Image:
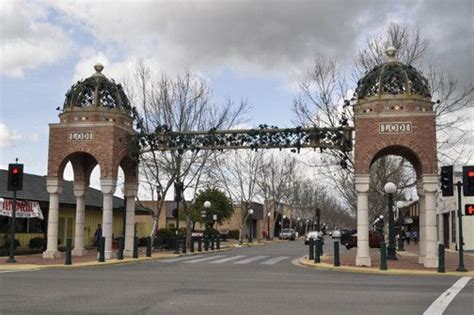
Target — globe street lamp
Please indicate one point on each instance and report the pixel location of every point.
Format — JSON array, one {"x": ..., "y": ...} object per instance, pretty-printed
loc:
[
  {"x": 401, "y": 239},
  {"x": 269, "y": 214},
  {"x": 251, "y": 225},
  {"x": 390, "y": 189}
]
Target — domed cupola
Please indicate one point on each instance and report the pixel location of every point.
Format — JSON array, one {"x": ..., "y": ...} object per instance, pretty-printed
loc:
[
  {"x": 97, "y": 92},
  {"x": 392, "y": 78}
]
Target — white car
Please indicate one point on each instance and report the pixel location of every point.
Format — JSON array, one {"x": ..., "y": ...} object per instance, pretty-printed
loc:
[
  {"x": 313, "y": 235},
  {"x": 336, "y": 234}
]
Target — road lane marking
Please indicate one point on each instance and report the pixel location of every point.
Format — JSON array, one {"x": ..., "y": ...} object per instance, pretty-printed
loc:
[
  {"x": 202, "y": 259},
  {"x": 223, "y": 260},
  {"x": 442, "y": 302},
  {"x": 249, "y": 260},
  {"x": 274, "y": 260},
  {"x": 182, "y": 258}
]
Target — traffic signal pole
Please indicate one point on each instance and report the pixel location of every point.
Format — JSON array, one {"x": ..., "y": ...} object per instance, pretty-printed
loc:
[
  {"x": 11, "y": 258},
  {"x": 461, "y": 240}
]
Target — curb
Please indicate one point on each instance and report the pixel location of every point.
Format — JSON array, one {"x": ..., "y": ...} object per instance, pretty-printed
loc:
[{"x": 303, "y": 261}]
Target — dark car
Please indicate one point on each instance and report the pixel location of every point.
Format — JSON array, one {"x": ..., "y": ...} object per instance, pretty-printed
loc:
[
  {"x": 288, "y": 234},
  {"x": 374, "y": 240}
]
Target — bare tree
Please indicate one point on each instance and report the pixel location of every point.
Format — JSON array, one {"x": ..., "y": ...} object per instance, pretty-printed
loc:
[
  {"x": 181, "y": 103},
  {"x": 237, "y": 173}
]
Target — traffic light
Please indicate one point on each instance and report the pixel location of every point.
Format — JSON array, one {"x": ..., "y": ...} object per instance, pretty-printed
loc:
[
  {"x": 178, "y": 191},
  {"x": 15, "y": 177},
  {"x": 469, "y": 210},
  {"x": 468, "y": 180},
  {"x": 447, "y": 181}
]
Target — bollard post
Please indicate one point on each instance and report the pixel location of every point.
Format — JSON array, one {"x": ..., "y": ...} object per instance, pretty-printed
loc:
[
  {"x": 191, "y": 247},
  {"x": 383, "y": 256},
  {"x": 102, "y": 249},
  {"x": 337, "y": 262},
  {"x": 68, "y": 252},
  {"x": 200, "y": 245},
  {"x": 206, "y": 243},
  {"x": 135, "y": 247},
  {"x": 212, "y": 242},
  {"x": 311, "y": 249},
  {"x": 218, "y": 242},
  {"x": 184, "y": 245},
  {"x": 317, "y": 254},
  {"x": 321, "y": 247},
  {"x": 121, "y": 247},
  {"x": 441, "y": 266},
  {"x": 148, "y": 246}
]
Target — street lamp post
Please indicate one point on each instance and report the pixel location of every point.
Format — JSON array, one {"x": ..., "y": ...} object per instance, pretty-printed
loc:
[
  {"x": 298, "y": 226},
  {"x": 390, "y": 189},
  {"x": 401, "y": 240},
  {"x": 207, "y": 206},
  {"x": 318, "y": 217},
  {"x": 269, "y": 214},
  {"x": 251, "y": 225},
  {"x": 178, "y": 192}
]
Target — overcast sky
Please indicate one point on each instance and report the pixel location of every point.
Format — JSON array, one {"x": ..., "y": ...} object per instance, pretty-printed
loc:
[{"x": 256, "y": 50}]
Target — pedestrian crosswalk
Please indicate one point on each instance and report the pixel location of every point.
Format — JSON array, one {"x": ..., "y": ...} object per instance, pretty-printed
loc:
[{"x": 229, "y": 259}]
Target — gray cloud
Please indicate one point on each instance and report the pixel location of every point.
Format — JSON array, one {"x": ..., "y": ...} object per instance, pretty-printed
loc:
[{"x": 278, "y": 37}]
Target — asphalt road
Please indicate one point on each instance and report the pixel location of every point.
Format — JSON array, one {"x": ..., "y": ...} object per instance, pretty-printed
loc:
[{"x": 256, "y": 280}]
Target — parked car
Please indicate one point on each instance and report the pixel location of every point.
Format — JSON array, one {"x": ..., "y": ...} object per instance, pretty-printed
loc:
[
  {"x": 374, "y": 240},
  {"x": 288, "y": 234},
  {"x": 197, "y": 235},
  {"x": 336, "y": 234},
  {"x": 313, "y": 235}
]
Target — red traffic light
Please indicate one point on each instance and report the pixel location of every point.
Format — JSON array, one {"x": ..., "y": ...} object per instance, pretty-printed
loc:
[
  {"x": 469, "y": 209},
  {"x": 470, "y": 174},
  {"x": 15, "y": 170}
]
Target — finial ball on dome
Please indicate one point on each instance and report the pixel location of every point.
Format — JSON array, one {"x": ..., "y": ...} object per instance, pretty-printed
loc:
[
  {"x": 98, "y": 67},
  {"x": 391, "y": 52}
]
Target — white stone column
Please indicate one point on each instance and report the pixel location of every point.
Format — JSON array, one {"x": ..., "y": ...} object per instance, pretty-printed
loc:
[
  {"x": 54, "y": 188},
  {"x": 362, "y": 189},
  {"x": 80, "y": 194},
  {"x": 108, "y": 186},
  {"x": 421, "y": 223},
  {"x": 430, "y": 187},
  {"x": 130, "y": 192}
]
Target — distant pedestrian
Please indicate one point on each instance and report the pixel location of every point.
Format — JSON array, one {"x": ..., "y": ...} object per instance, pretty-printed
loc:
[
  {"x": 97, "y": 235},
  {"x": 414, "y": 236},
  {"x": 408, "y": 237}
]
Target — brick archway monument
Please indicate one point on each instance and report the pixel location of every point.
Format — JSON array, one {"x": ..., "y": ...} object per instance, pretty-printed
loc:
[
  {"x": 95, "y": 129},
  {"x": 394, "y": 116}
]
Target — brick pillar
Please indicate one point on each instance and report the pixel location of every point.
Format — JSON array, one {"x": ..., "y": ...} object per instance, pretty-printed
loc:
[
  {"x": 80, "y": 194},
  {"x": 108, "y": 186},
  {"x": 362, "y": 189},
  {"x": 130, "y": 192},
  {"x": 430, "y": 187},
  {"x": 421, "y": 223},
  {"x": 54, "y": 188}
]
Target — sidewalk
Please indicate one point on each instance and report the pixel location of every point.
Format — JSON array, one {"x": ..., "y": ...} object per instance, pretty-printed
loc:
[
  {"x": 407, "y": 261},
  {"x": 36, "y": 261}
]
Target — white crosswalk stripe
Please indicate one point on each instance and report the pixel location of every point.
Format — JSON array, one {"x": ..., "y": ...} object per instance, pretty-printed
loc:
[
  {"x": 274, "y": 260},
  {"x": 203, "y": 259},
  {"x": 223, "y": 260},
  {"x": 181, "y": 258},
  {"x": 249, "y": 260}
]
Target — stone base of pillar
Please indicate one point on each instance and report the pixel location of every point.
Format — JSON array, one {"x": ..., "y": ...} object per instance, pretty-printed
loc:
[
  {"x": 79, "y": 252},
  {"x": 128, "y": 253},
  {"x": 430, "y": 262},
  {"x": 363, "y": 261},
  {"x": 109, "y": 255},
  {"x": 51, "y": 255},
  {"x": 421, "y": 260}
]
